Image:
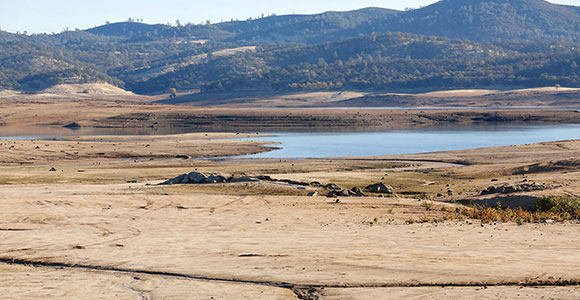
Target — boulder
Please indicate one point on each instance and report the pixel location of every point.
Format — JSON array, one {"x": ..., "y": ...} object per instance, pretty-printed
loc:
[
  {"x": 215, "y": 179},
  {"x": 313, "y": 194},
  {"x": 73, "y": 125},
  {"x": 339, "y": 193},
  {"x": 514, "y": 188},
  {"x": 332, "y": 186},
  {"x": 379, "y": 188},
  {"x": 176, "y": 180},
  {"x": 196, "y": 177},
  {"x": 357, "y": 192}
]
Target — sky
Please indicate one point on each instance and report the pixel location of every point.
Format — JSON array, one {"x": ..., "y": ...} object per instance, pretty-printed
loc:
[{"x": 38, "y": 16}]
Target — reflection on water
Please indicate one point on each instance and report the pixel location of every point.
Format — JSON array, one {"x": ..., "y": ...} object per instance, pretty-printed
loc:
[
  {"x": 419, "y": 140},
  {"x": 55, "y": 132}
]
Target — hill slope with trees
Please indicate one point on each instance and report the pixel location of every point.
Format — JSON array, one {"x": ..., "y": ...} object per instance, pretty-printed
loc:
[{"x": 450, "y": 44}]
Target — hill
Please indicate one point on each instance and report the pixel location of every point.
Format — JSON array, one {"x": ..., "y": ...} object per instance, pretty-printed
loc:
[
  {"x": 487, "y": 20},
  {"x": 391, "y": 61},
  {"x": 328, "y": 26},
  {"x": 101, "y": 89},
  {"x": 477, "y": 20},
  {"x": 127, "y": 29},
  {"x": 448, "y": 45}
]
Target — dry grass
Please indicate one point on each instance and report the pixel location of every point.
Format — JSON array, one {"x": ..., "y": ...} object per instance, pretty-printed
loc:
[
  {"x": 548, "y": 208},
  {"x": 557, "y": 209}
]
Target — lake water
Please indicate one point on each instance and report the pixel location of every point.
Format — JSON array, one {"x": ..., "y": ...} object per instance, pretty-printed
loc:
[
  {"x": 418, "y": 140},
  {"x": 304, "y": 144}
]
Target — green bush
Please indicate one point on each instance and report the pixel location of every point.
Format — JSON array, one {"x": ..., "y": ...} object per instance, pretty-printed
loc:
[{"x": 560, "y": 206}]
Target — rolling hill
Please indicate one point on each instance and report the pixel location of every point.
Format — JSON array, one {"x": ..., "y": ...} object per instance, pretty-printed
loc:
[{"x": 450, "y": 44}]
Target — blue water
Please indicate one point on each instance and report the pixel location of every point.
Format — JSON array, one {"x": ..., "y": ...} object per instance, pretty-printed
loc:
[{"x": 419, "y": 140}]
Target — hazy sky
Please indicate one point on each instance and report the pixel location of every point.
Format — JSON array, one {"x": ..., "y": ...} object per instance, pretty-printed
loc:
[{"x": 54, "y": 15}]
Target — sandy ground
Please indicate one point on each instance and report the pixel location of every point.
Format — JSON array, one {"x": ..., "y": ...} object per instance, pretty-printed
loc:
[
  {"x": 99, "y": 109},
  {"x": 273, "y": 239},
  {"x": 543, "y": 96},
  {"x": 103, "y": 148},
  {"x": 108, "y": 231}
]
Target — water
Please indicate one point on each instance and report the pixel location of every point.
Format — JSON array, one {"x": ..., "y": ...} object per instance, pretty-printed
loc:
[
  {"x": 35, "y": 133},
  {"x": 304, "y": 144},
  {"x": 471, "y": 108},
  {"x": 418, "y": 140}
]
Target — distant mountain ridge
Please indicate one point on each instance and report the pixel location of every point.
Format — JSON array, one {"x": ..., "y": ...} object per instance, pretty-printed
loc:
[
  {"x": 484, "y": 20},
  {"x": 477, "y": 20}
]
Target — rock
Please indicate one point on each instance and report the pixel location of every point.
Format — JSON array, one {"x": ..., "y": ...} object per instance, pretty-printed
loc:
[
  {"x": 181, "y": 156},
  {"x": 340, "y": 193},
  {"x": 176, "y": 180},
  {"x": 196, "y": 177},
  {"x": 186, "y": 180},
  {"x": 511, "y": 188},
  {"x": 380, "y": 188},
  {"x": 73, "y": 125},
  {"x": 332, "y": 186},
  {"x": 131, "y": 181},
  {"x": 52, "y": 170},
  {"x": 316, "y": 184},
  {"x": 313, "y": 194},
  {"x": 215, "y": 179},
  {"x": 355, "y": 191}
]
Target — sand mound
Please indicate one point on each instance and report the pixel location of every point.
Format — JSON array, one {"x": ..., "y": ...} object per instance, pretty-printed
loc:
[
  {"x": 88, "y": 89},
  {"x": 460, "y": 93},
  {"x": 550, "y": 89},
  {"x": 571, "y": 165},
  {"x": 8, "y": 93}
]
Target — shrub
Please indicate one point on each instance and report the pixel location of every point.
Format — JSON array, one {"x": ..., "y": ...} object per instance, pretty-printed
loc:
[{"x": 568, "y": 208}]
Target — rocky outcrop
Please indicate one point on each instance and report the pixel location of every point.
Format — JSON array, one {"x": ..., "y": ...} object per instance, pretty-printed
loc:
[
  {"x": 379, "y": 188},
  {"x": 332, "y": 186},
  {"x": 73, "y": 125},
  {"x": 201, "y": 178},
  {"x": 514, "y": 188},
  {"x": 354, "y": 192},
  {"x": 196, "y": 178}
]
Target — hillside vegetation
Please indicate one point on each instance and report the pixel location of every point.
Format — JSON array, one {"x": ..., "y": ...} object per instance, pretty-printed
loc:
[{"x": 450, "y": 44}]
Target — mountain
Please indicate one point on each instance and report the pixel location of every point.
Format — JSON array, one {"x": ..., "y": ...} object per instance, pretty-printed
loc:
[
  {"x": 450, "y": 44},
  {"x": 389, "y": 61},
  {"x": 328, "y": 26},
  {"x": 6, "y": 36},
  {"x": 127, "y": 29},
  {"x": 477, "y": 20},
  {"x": 486, "y": 20}
]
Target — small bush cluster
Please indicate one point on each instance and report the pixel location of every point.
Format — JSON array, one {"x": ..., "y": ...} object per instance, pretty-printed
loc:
[{"x": 547, "y": 208}]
